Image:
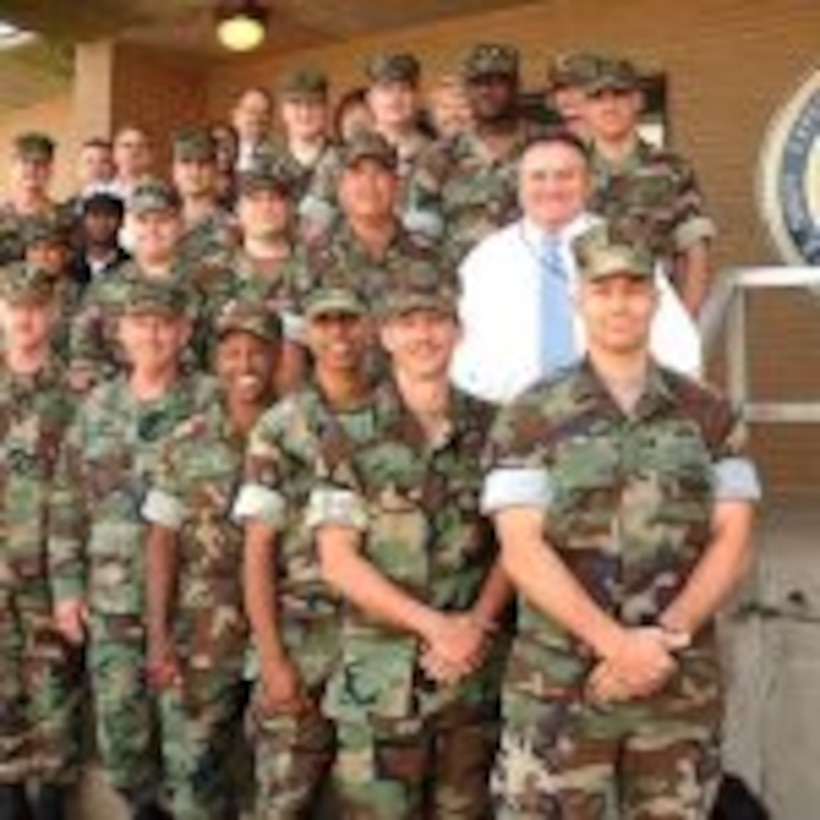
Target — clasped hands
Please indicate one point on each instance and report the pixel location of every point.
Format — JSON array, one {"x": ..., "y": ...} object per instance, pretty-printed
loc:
[
  {"x": 638, "y": 665},
  {"x": 455, "y": 646}
]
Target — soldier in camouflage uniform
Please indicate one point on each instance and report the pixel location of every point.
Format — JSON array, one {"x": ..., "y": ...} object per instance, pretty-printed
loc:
[
  {"x": 468, "y": 183},
  {"x": 40, "y": 673},
  {"x": 264, "y": 209},
  {"x": 96, "y": 534},
  {"x": 650, "y": 194},
  {"x": 31, "y": 170},
  {"x": 400, "y": 535},
  {"x": 196, "y": 623},
  {"x": 153, "y": 213},
  {"x": 567, "y": 77},
  {"x": 293, "y": 614},
  {"x": 48, "y": 247},
  {"x": 370, "y": 252},
  {"x": 210, "y": 231},
  {"x": 623, "y": 500},
  {"x": 304, "y": 109},
  {"x": 394, "y": 99}
]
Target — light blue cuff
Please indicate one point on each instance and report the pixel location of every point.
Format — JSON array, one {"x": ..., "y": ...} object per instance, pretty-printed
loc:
[
  {"x": 165, "y": 509},
  {"x": 517, "y": 487},
  {"x": 736, "y": 479},
  {"x": 258, "y": 501},
  {"x": 342, "y": 507}
]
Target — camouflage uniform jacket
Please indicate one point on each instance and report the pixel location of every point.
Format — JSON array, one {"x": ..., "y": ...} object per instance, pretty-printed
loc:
[
  {"x": 470, "y": 192},
  {"x": 417, "y": 506},
  {"x": 35, "y": 412},
  {"x": 628, "y": 500},
  {"x": 210, "y": 242},
  {"x": 106, "y": 464},
  {"x": 192, "y": 492},
  {"x": 341, "y": 260},
  {"x": 279, "y": 475},
  {"x": 652, "y": 197},
  {"x": 261, "y": 282}
]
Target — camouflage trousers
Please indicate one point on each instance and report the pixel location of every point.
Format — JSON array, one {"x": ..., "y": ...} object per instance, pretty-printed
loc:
[
  {"x": 569, "y": 760},
  {"x": 41, "y": 695},
  {"x": 203, "y": 744},
  {"x": 294, "y": 753},
  {"x": 125, "y": 709},
  {"x": 433, "y": 767}
]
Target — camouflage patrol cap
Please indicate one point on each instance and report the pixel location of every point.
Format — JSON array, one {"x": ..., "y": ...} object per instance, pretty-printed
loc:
[
  {"x": 304, "y": 84},
  {"x": 572, "y": 70},
  {"x": 153, "y": 195},
  {"x": 394, "y": 68},
  {"x": 369, "y": 145},
  {"x": 423, "y": 287},
  {"x": 34, "y": 145},
  {"x": 26, "y": 284},
  {"x": 50, "y": 227},
  {"x": 601, "y": 253},
  {"x": 162, "y": 297},
  {"x": 491, "y": 59},
  {"x": 334, "y": 299},
  {"x": 266, "y": 175},
  {"x": 613, "y": 75},
  {"x": 248, "y": 317},
  {"x": 194, "y": 145}
]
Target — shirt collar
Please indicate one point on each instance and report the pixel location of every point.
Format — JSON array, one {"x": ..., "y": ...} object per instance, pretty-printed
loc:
[{"x": 535, "y": 235}]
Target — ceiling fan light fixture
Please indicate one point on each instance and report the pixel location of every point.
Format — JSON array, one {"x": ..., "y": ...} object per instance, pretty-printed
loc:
[{"x": 241, "y": 25}]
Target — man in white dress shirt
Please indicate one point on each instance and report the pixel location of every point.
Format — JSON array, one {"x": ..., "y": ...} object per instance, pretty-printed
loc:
[{"x": 516, "y": 308}]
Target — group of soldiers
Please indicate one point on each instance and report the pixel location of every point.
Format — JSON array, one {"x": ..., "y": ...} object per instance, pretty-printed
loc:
[{"x": 251, "y": 533}]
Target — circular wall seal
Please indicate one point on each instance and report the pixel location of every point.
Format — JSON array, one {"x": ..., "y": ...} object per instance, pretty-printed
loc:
[{"x": 789, "y": 176}]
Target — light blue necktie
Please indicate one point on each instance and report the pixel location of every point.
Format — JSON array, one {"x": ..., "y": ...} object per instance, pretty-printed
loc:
[{"x": 556, "y": 310}]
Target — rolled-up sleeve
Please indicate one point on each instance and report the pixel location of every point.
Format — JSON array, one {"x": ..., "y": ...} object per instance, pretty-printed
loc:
[
  {"x": 163, "y": 508},
  {"x": 262, "y": 503},
  {"x": 736, "y": 479},
  {"x": 330, "y": 505},
  {"x": 516, "y": 487}
]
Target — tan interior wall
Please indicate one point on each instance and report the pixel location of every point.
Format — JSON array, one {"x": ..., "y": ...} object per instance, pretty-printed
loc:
[
  {"x": 55, "y": 116},
  {"x": 159, "y": 92}
]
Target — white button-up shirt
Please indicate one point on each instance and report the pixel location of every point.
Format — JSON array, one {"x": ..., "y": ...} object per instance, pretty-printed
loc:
[{"x": 501, "y": 314}]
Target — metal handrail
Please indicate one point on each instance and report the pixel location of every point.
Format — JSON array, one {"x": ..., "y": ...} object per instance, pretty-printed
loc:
[{"x": 727, "y": 306}]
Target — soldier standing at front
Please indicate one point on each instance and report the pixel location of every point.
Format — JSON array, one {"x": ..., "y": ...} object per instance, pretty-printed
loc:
[
  {"x": 96, "y": 533},
  {"x": 196, "y": 623},
  {"x": 650, "y": 193},
  {"x": 400, "y": 536},
  {"x": 40, "y": 673},
  {"x": 623, "y": 500},
  {"x": 293, "y": 614}
]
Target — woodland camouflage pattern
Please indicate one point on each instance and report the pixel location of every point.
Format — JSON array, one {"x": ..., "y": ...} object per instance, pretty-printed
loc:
[
  {"x": 652, "y": 199},
  {"x": 192, "y": 492},
  {"x": 96, "y": 538},
  {"x": 630, "y": 516},
  {"x": 40, "y": 675},
  {"x": 417, "y": 506},
  {"x": 294, "y": 753}
]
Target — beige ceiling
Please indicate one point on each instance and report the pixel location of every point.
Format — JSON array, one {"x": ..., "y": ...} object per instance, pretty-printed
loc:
[
  {"x": 37, "y": 70},
  {"x": 188, "y": 24}
]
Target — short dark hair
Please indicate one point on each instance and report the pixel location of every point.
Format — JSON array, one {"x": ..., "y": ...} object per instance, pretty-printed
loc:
[
  {"x": 96, "y": 142},
  {"x": 558, "y": 135}
]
